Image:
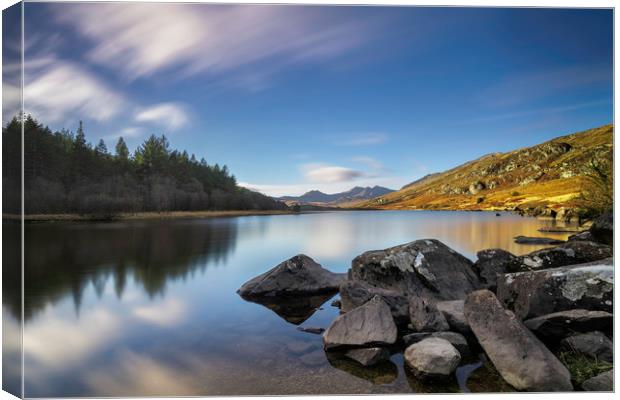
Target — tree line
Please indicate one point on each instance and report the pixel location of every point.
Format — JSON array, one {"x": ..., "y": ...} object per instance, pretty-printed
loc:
[{"x": 63, "y": 173}]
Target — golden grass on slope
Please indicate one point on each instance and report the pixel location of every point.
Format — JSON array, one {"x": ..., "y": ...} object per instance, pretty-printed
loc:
[{"x": 544, "y": 175}]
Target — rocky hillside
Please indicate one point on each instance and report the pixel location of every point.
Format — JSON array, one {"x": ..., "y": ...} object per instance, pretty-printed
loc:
[
  {"x": 542, "y": 179},
  {"x": 356, "y": 194}
]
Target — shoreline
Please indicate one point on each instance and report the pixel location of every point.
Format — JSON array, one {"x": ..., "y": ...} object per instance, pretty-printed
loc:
[{"x": 146, "y": 215}]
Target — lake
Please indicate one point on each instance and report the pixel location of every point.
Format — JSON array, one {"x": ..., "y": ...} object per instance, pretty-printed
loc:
[{"x": 141, "y": 308}]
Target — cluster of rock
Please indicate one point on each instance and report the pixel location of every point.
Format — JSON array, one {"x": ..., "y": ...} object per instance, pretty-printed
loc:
[{"x": 437, "y": 307}]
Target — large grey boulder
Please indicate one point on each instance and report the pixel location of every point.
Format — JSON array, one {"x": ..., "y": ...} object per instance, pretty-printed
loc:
[
  {"x": 369, "y": 356},
  {"x": 453, "y": 311},
  {"x": 594, "y": 344},
  {"x": 562, "y": 324},
  {"x": 432, "y": 358},
  {"x": 366, "y": 326},
  {"x": 355, "y": 293},
  {"x": 423, "y": 268},
  {"x": 456, "y": 339},
  {"x": 491, "y": 263},
  {"x": 299, "y": 275},
  {"x": 569, "y": 253},
  {"x": 425, "y": 317},
  {"x": 601, "y": 383},
  {"x": 522, "y": 360},
  {"x": 535, "y": 293},
  {"x": 602, "y": 228}
]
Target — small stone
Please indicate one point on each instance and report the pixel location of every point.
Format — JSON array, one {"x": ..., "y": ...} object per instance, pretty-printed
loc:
[
  {"x": 312, "y": 329},
  {"x": 367, "y": 325},
  {"x": 425, "y": 317},
  {"x": 368, "y": 357},
  {"x": 456, "y": 339},
  {"x": 594, "y": 344},
  {"x": 454, "y": 313},
  {"x": 601, "y": 383},
  {"x": 432, "y": 358}
]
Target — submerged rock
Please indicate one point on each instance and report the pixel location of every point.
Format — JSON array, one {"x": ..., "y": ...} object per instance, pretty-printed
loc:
[
  {"x": 456, "y": 339},
  {"x": 569, "y": 253},
  {"x": 601, "y": 383},
  {"x": 295, "y": 310},
  {"x": 582, "y": 236},
  {"x": 423, "y": 268},
  {"x": 311, "y": 329},
  {"x": 522, "y": 360},
  {"x": 299, "y": 275},
  {"x": 537, "y": 240},
  {"x": 425, "y": 317},
  {"x": 453, "y": 311},
  {"x": 561, "y": 324},
  {"x": 594, "y": 344},
  {"x": 536, "y": 293},
  {"x": 602, "y": 228},
  {"x": 382, "y": 373},
  {"x": 368, "y": 325},
  {"x": 491, "y": 263},
  {"x": 355, "y": 293},
  {"x": 432, "y": 358},
  {"x": 369, "y": 356}
]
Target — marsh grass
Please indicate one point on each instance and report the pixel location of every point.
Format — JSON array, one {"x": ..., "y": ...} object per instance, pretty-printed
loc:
[{"x": 582, "y": 367}]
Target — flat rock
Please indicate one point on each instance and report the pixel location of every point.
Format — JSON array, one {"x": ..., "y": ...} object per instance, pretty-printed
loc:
[
  {"x": 432, "y": 358},
  {"x": 369, "y": 325},
  {"x": 491, "y": 263},
  {"x": 453, "y": 311},
  {"x": 583, "y": 236},
  {"x": 355, "y": 293},
  {"x": 602, "y": 228},
  {"x": 594, "y": 344},
  {"x": 537, "y": 240},
  {"x": 423, "y": 268},
  {"x": 425, "y": 317},
  {"x": 569, "y": 253},
  {"x": 562, "y": 324},
  {"x": 299, "y": 275},
  {"x": 536, "y": 293},
  {"x": 369, "y": 356},
  {"x": 601, "y": 383},
  {"x": 522, "y": 360},
  {"x": 456, "y": 339},
  {"x": 311, "y": 329}
]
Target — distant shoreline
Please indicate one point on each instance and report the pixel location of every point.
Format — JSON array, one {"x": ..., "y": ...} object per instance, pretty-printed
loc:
[{"x": 148, "y": 215}]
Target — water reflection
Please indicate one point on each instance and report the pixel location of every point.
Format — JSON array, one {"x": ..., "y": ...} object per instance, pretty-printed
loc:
[
  {"x": 293, "y": 309},
  {"x": 143, "y": 308},
  {"x": 61, "y": 259}
]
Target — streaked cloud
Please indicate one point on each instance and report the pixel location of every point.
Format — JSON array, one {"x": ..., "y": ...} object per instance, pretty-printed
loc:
[
  {"x": 55, "y": 89},
  {"x": 322, "y": 173},
  {"x": 365, "y": 139},
  {"x": 169, "y": 115},
  {"x": 140, "y": 40}
]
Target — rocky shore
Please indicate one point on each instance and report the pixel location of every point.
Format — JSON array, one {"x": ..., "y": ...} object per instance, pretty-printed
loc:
[{"x": 543, "y": 320}]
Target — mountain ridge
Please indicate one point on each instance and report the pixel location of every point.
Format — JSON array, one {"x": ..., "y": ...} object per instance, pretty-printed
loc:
[
  {"x": 357, "y": 193},
  {"x": 546, "y": 177}
]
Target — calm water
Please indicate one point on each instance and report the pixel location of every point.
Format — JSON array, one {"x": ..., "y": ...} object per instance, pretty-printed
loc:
[{"x": 149, "y": 308}]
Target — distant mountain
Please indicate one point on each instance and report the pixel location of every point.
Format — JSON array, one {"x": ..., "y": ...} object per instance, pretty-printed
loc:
[
  {"x": 356, "y": 194},
  {"x": 548, "y": 176}
]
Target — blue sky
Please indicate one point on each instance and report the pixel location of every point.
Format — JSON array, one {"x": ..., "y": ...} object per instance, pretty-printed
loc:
[{"x": 294, "y": 98}]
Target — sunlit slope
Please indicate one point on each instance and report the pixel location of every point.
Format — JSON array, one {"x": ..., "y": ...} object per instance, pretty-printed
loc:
[{"x": 548, "y": 175}]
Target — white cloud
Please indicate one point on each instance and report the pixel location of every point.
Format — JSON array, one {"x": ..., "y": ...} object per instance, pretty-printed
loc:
[
  {"x": 55, "y": 89},
  {"x": 370, "y": 162},
  {"x": 321, "y": 173},
  {"x": 143, "y": 39},
  {"x": 366, "y": 139},
  {"x": 170, "y": 115}
]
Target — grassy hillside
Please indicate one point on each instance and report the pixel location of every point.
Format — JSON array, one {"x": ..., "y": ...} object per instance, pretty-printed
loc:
[{"x": 541, "y": 178}]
